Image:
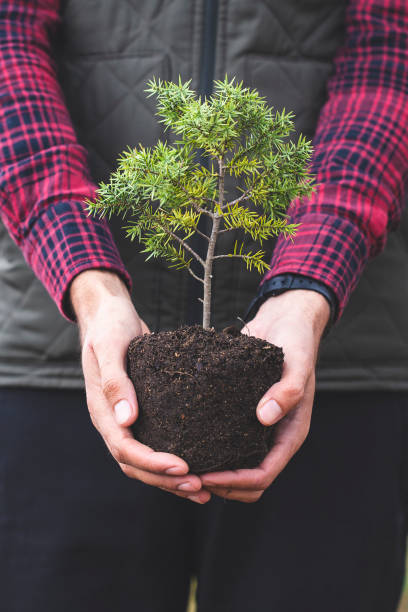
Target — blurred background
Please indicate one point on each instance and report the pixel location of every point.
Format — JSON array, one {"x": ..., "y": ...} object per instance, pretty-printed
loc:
[
  {"x": 403, "y": 607},
  {"x": 404, "y": 601}
]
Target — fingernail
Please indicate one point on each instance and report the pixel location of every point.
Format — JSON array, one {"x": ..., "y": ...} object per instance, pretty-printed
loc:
[
  {"x": 123, "y": 411},
  {"x": 186, "y": 486},
  {"x": 195, "y": 498},
  {"x": 270, "y": 412},
  {"x": 177, "y": 470}
]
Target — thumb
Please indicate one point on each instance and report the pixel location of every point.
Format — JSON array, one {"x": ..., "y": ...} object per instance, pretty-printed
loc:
[
  {"x": 281, "y": 398},
  {"x": 145, "y": 329},
  {"x": 117, "y": 386}
]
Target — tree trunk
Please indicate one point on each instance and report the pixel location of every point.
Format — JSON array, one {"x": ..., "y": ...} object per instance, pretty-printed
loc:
[{"x": 209, "y": 260}]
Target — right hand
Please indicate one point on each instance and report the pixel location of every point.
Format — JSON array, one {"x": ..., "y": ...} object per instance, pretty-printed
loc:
[
  {"x": 108, "y": 322},
  {"x": 295, "y": 321}
]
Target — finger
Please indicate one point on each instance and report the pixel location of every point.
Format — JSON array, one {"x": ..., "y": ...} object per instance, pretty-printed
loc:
[
  {"x": 284, "y": 395},
  {"x": 246, "y": 496},
  {"x": 99, "y": 409},
  {"x": 145, "y": 329},
  {"x": 184, "y": 484},
  {"x": 115, "y": 384},
  {"x": 119, "y": 440},
  {"x": 201, "y": 497},
  {"x": 255, "y": 479},
  {"x": 290, "y": 435},
  {"x": 135, "y": 454}
]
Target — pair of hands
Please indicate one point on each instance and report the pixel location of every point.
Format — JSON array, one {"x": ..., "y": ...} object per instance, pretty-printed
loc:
[{"x": 108, "y": 321}]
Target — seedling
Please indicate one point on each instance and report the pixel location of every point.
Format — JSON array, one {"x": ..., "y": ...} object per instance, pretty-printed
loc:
[{"x": 164, "y": 191}]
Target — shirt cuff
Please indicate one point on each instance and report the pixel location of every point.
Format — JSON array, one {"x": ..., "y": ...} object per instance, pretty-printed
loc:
[
  {"x": 286, "y": 282},
  {"x": 326, "y": 248},
  {"x": 65, "y": 241}
]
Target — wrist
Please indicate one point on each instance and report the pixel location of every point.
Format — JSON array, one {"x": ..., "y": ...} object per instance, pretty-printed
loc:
[
  {"x": 91, "y": 288},
  {"x": 302, "y": 305},
  {"x": 280, "y": 284}
]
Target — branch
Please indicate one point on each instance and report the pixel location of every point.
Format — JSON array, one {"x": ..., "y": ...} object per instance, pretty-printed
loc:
[
  {"x": 205, "y": 211},
  {"x": 245, "y": 151},
  {"x": 202, "y": 234},
  {"x": 221, "y": 175},
  {"x": 246, "y": 194},
  {"x": 195, "y": 275},
  {"x": 194, "y": 200},
  {"x": 211, "y": 248},
  {"x": 232, "y": 255},
  {"x": 184, "y": 245},
  {"x": 199, "y": 129},
  {"x": 250, "y": 259}
]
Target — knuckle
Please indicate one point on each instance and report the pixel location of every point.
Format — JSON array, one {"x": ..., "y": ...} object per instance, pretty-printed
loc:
[
  {"x": 117, "y": 454},
  {"x": 252, "y": 497},
  {"x": 127, "y": 470},
  {"x": 294, "y": 392},
  {"x": 111, "y": 388},
  {"x": 260, "y": 483},
  {"x": 258, "y": 495}
]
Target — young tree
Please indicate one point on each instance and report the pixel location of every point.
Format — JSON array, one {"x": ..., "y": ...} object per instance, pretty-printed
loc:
[{"x": 165, "y": 191}]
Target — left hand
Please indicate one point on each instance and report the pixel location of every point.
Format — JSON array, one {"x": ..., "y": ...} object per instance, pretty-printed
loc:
[
  {"x": 108, "y": 321},
  {"x": 294, "y": 320}
]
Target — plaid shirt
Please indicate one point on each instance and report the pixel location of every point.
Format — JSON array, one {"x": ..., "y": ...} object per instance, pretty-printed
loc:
[
  {"x": 360, "y": 159},
  {"x": 360, "y": 154}
]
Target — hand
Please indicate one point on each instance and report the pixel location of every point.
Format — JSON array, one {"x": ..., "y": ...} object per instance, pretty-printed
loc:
[
  {"x": 294, "y": 320},
  {"x": 108, "y": 322}
]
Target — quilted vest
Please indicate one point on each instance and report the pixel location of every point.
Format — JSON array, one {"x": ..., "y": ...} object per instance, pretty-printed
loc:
[{"x": 106, "y": 51}]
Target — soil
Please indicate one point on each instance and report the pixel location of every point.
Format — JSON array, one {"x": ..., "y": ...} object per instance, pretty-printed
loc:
[{"x": 198, "y": 391}]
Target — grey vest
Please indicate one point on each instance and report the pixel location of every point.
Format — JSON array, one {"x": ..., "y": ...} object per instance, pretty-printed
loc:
[{"x": 106, "y": 51}]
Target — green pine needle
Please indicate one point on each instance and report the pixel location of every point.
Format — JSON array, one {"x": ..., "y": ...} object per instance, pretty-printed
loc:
[{"x": 163, "y": 191}]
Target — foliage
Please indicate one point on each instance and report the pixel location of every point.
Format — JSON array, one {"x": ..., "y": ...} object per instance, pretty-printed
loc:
[{"x": 164, "y": 190}]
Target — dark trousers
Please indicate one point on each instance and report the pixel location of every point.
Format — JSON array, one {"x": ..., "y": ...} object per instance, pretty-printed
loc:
[{"x": 77, "y": 535}]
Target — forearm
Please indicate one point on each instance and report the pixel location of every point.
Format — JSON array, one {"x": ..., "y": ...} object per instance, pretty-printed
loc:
[
  {"x": 44, "y": 179},
  {"x": 361, "y": 154}
]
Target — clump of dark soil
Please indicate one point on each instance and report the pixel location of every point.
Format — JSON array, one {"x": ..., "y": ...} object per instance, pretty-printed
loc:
[{"x": 198, "y": 391}]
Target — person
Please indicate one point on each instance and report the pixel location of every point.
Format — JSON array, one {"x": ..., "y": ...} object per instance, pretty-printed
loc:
[{"x": 329, "y": 533}]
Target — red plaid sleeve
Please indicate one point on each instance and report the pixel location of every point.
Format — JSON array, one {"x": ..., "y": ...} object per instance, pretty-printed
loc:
[
  {"x": 361, "y": 154},
  {"x": 44, "y": 179}
]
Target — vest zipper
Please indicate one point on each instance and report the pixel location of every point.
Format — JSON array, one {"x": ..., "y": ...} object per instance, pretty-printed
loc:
[
  {"x": 194, "y": 309},
  {"x": 208, "y": 47}
]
